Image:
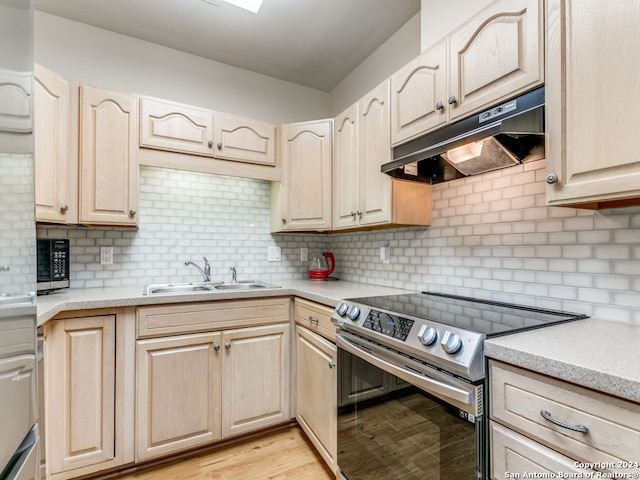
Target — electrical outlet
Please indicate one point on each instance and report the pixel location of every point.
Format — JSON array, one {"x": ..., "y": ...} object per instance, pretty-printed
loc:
[
  {"x": 106, "y": 255},
  {"x": 385, "y": 254},
  {"x": 304, "y": 254},
  {"x": 274, "y": 254}
]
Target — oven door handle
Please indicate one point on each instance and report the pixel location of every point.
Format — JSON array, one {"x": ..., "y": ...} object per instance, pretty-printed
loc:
[{"x": 428, "y": 384}]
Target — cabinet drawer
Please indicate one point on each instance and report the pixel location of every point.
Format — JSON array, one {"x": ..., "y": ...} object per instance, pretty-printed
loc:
[
  {"x": 199, "y": 317},
  {"x": 315, "y": 317},
  {"x": 519, "y": 396},
  {"x": 513, "y": 454}
]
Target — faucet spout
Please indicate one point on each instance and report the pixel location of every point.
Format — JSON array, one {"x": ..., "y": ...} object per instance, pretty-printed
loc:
[
  {"x": 206, "y": 273},
  {"x": 233, "y": 274}
]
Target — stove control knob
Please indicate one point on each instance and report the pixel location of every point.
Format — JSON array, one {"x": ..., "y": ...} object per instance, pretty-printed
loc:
[
  {"x": 342, "y": 308},
  {"x": 451, "y": 342},
  {"x": 353, "y": 313},
  {"x": 427, "y": 335}
]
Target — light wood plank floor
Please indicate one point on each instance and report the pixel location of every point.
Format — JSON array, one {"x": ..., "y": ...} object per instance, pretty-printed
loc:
[{"x": 282, "y": 455}]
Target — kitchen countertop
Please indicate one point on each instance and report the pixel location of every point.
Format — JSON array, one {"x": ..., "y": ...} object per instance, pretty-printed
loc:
[
  {"x": 327, "y": 293},
  {"x": 597, "y": 354}
]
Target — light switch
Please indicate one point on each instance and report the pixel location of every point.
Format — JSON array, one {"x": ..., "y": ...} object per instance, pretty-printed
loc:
[
  {"x": 274, "y": 254},
  {"x": 304, "y": 254},
  {"x": 385, "y": 254}
]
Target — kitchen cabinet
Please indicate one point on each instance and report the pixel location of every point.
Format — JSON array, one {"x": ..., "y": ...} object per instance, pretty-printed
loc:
[
  {"x": 495, "y": 55},
  {"x": 210, "y": 370},
  {"x": 88, "y": 392},
  {"x": 302, "y": 200},
  {"x": 108, "y": 165},
  {"x": 177, "y": 393},
  {"x": 541, "y": 424},
  {"x": 593, "y": 152},
  {"x": 363, "y": 195},
  {"x": 317, "y": 410},
  {"x": 256, "y": 378},
  {"x": 191, "y": 138},
  {"x": 55, "y": 147}
]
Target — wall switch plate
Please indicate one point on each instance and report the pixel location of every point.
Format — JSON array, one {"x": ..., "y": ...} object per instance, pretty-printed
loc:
[
  {"x": 106, "y": 255},
  {"x": 385, "y": 254},
  {"x": 304, "y": 254},
  {"x": 274, "y": 254}
]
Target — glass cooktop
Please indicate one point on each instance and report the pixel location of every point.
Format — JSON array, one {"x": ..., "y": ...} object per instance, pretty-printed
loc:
[{"x": 481, "y": 316}]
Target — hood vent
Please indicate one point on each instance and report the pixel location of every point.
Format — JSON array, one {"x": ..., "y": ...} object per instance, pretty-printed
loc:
[{"x": 505, "y": 135}]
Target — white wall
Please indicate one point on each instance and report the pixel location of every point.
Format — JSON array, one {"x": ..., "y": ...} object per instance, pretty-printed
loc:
[
  {"x": 438, "y": 18},
  {"x": 118, "y": 62},
  {"x": 396, "y": 52}
]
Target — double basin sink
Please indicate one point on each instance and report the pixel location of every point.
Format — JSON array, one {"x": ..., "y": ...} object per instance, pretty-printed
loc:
[{"x": 177, "y": 288}]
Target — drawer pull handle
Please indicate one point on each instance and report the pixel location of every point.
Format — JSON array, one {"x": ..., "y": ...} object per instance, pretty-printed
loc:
[
  {"x": 313, "y": 319},
  {"x": 576, "y": 428}
]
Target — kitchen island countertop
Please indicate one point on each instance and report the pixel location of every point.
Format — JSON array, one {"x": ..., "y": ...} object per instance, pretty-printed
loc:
[
  {"x": 598, "y": 354},
  {"x": 327, "y": 293}
]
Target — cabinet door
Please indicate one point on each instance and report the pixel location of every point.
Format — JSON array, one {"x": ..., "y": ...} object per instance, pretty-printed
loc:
[
  {"x": 317, "y": 408},
  {"x": 244, "y": 140},
  {"x": 375, "y": 150},
  {"x": 178, "y": 393},
  {"x": 496, "y": 55},
  {"x": 55, "y": 148},
  {"x": 255, "y": 378},
  {"x": 108, "y": 166},
  {"x": 175, "y": 127},
  {"x": 419, "y": 95},
  {"x": 593, "y": 148},
  {"x": 81, "y": 354},
  {"x": 346, "y": 169},
  {"x": 306, "y": 175}
]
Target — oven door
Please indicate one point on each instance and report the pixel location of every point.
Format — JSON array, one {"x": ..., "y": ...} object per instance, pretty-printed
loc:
[{"x": 401, "y": 419}]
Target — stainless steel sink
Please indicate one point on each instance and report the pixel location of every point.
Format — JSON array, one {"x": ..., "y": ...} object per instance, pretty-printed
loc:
[
  {"x": 15, "y": 299},
  {"x": 177, "y": 288}
]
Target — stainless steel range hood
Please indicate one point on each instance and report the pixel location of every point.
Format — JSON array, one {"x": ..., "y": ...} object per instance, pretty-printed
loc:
[{"x": 504, "y": 135}]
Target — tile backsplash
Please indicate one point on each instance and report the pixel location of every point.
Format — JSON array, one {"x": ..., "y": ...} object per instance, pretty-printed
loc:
[{"x": 491, "y": 237}]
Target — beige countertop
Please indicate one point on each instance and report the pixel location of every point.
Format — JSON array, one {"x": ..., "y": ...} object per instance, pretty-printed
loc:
[
  {"x": 327, "y": 293},
  {"x": 597, "y": 354}
]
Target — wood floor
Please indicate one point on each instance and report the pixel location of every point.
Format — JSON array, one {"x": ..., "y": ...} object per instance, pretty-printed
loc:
[{"x": 281, "y": 455}]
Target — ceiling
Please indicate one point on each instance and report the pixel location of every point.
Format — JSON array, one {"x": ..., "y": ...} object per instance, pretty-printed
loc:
[{"x": 315, "y": 43}]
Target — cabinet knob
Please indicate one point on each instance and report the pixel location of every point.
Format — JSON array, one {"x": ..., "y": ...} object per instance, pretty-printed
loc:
[
  {"x": 132, "y": 213},
  {"x": 452, "y": 100},
  {"x": 439, "y": 106},
  {"x": 210, "y": 143},
  {"x": 332, "y": 364},
  {"x": 313, "y": 319},
  {"x": 219, "y": 145},
  {"x": 353, "y": 214},
  {"x": 284, "y": 220},
  {"x": 216, "y": 347},
  {"x": 552, "y": 178},
  {"x": 64, "y": 208},
  {"x": 227, "y": 346},
  {"x": 359, "y": 213}
]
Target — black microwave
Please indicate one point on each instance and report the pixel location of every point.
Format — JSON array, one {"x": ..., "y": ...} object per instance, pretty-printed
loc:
[{"x": 53, "y": 264}]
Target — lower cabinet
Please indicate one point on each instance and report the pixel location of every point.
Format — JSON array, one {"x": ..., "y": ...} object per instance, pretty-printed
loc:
[
  {"x": 316, "y": 409},
  {"x": 88, "y": 391},
  {"x": 177, "y": 393},
  {"x": 542, "y": 425},
  {"x": 193, "y": 389}
]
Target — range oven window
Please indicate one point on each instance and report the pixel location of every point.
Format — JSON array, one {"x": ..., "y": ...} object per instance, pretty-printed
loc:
[{"x": 389, "y": 429}]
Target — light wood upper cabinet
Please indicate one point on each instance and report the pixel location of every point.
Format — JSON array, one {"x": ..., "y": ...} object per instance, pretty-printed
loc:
[
  {"x": 495, "y": 55},
  {"x": 55, "y": 147},
  {"x": 593, "y": 151},
  {"x": 175, "y": 135},
  {"x": 178, "y": 393},
  {"x": 166, "y": 125},
  {"x": 317, "y": 404},
  {"x": 302, "y": 201},
  {"x": 108, "y": 164},
  {"x": 256, "y": 378},
  {"x": 243, "y": 139},
  {"x": 89, "y": 392},
  {"x": 363, "y": 195},
  {"x": 418, "y": 95}
]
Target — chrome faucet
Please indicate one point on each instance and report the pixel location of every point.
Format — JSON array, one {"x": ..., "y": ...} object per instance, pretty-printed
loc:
[
  {"x": 233, "y": 274},
  {"x": 206, "y": 273}
]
